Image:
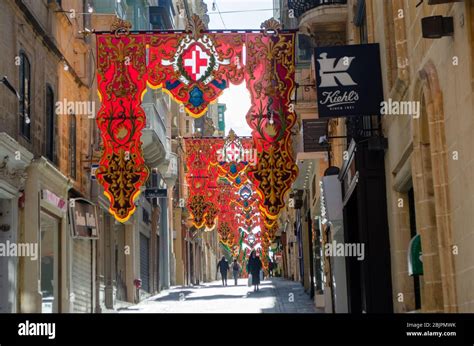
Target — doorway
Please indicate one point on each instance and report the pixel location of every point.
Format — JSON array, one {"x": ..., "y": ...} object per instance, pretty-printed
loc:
[
  {"x": 49, "y": 235},
  {"x": 413, "y": 233}
]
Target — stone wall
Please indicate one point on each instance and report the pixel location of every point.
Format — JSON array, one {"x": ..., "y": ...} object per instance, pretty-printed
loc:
[{"x": 432, "y": 153}]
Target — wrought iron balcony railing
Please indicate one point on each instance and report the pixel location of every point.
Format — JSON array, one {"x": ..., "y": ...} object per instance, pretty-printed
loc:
[{"x": 301, "y": 6}]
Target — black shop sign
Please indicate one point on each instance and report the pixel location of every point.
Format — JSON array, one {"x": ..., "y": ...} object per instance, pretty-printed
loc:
[{"x": 348, "y": 80}]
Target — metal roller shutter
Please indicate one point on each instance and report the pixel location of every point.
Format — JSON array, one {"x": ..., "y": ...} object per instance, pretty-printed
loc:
[
  {"x": 157, "y": 260},
  {"x": 82, "y": 275},
  {"x": 145, "y": 262}
]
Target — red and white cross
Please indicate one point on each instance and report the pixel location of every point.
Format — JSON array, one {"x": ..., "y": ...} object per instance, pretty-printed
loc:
[{"x": 195, "y": 62}]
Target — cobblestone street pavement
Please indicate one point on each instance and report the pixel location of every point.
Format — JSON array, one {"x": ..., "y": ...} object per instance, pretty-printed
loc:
[{"x": 276, "y": 295}]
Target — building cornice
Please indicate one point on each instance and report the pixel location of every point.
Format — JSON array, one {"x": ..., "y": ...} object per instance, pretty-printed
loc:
[
  {"x": 14, "y": 161},
  {"x": 12, "y": 147},
  {"x": 50, "y": 174}
]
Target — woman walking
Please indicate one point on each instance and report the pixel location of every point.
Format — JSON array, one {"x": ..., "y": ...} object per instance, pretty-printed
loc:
[{"x": 253, "y": 267}]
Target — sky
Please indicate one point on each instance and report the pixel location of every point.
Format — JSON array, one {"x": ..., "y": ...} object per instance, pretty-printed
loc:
[{"x": 236, "y": 97}]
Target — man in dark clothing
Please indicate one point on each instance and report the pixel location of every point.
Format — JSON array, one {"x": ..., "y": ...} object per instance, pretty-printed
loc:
[
  {"x": 223, "y": 267},
  {"x": 270, "y": 268}
]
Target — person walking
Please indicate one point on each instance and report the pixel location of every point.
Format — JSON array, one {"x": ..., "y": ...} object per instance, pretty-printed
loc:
[
  {"x": 235, "y": 271},
  {"x": 223, "y": 267},
  {"x": 253, "y": 267},
  {"x": 270, "y": 268}
]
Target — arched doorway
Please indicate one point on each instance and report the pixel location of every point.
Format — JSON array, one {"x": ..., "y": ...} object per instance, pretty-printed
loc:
[{"x": 431, "y": 192}]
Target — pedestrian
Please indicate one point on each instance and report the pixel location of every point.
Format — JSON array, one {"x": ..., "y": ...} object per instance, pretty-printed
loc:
[
  {"x": 253, "y": 267},
  {"x": 270, "y": 268},
  {"x": 235, "y": 271},
  {"x": 223, "y": 267}
]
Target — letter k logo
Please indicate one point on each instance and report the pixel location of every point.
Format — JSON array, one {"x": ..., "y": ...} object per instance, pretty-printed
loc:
[{"x": 329, "y": 72}]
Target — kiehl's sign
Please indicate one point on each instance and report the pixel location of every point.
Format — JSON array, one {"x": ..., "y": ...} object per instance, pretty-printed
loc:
[{"x": 349, "y": 80}]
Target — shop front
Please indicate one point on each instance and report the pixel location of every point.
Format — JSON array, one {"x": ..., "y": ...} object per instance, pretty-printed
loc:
[
  {"x": 84, "y": 229},
  {"x": 45, "y": 284},
  {"x": 14, "y": 161},
  {"x": 369, "y": 280},
  {"x": 331, "y": 222}
]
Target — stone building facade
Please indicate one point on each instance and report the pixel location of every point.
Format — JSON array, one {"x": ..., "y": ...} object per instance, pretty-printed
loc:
[
  {"x": 48, "y": 63},
  {"x": 429, "y": 152},
  {"x": 428, "y": 161}
]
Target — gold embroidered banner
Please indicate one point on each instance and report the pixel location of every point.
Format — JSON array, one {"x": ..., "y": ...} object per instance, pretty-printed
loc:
[{"x": 195, "y": 67}]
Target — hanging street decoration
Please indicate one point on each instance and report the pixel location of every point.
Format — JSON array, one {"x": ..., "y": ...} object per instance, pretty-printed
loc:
[
  {"x": 195, "y": 67},
  {"x": 201, "y": 181},
  {"x": 234, "y": 157},
  {"x": 221, "y": 195},
  {"x": 122, "y": 170}
]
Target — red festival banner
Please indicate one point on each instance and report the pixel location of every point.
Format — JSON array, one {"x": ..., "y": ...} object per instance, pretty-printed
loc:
[{"x": 195, "y": 67}]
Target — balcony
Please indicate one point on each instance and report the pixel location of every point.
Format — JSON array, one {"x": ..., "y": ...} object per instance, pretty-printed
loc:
[
  {"x": 155, "y": 145},
  {"x": 169, "y": 169},
  {"x": 320, "y": 16},
  {"x": 300, "y": 7}
]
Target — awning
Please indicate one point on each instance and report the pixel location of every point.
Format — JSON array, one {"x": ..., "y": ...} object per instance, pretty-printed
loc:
[{"x": 415, "y": 264}]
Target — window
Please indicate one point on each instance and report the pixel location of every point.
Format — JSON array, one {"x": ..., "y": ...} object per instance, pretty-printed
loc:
[
  {"x": 25, "y": 96},
  {"x": 72, "y": 145},
  {"x": 50, "y": 124},
  {"x": 360, "y": 20},
  {"x": 305, "y": 49},
  {"x": 363, "y": 31},
  {"x": 146, "y": 216}
]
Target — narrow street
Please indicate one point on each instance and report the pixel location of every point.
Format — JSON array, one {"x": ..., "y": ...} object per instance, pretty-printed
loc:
[{"x": 276, "y": 295}]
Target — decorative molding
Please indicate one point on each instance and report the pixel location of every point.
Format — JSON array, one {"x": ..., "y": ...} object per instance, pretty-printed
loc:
[
  {"x": 15, "y": 177},
  {"x": 195, "y": 26},
  {"x": 271, "y": 25},
  {"x": 120, "y": 27},
  {"x": 51, "y": 176}
]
